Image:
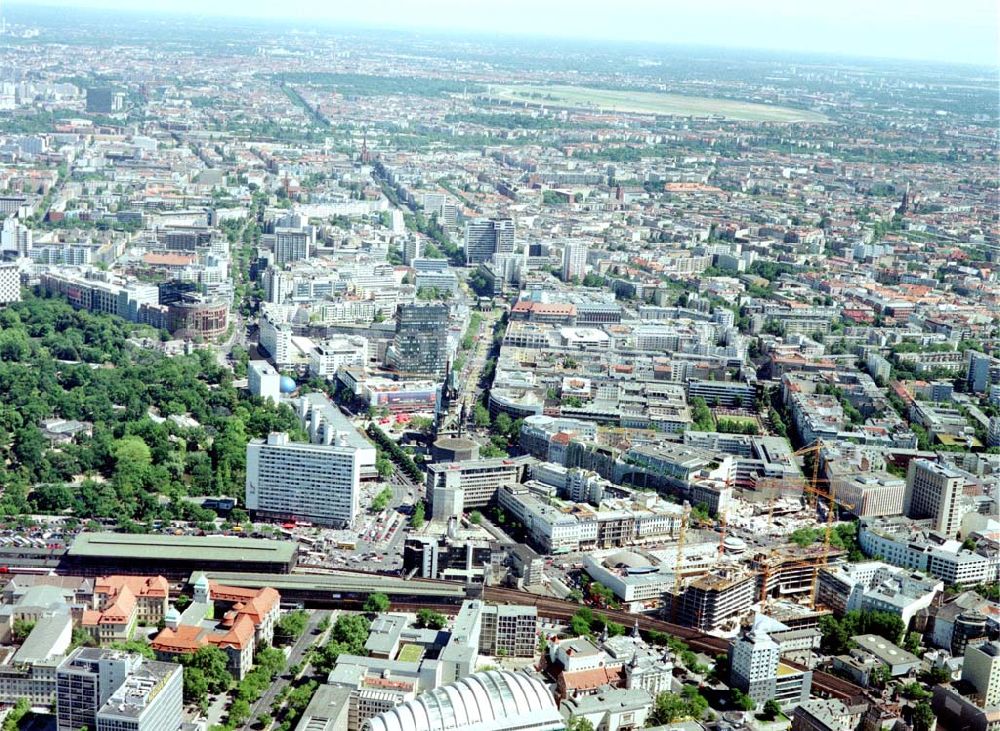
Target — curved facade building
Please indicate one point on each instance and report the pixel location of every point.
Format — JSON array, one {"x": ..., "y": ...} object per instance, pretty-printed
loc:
[
  {"x": 489, "y": 701},
  {"x": 517, "y": 403},
  {"x": 198, "y": 319}
]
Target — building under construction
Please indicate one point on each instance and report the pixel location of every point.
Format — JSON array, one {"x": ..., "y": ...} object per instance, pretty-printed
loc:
[
  {"x": 716, "y": 601},
  {"x": 789, "y": 571}
]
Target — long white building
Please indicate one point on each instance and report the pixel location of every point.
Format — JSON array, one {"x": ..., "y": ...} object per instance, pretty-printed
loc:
[{"x": 318, "y": 483}]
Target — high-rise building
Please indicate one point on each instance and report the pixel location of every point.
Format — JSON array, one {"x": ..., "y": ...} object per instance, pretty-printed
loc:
[
  {"x": 992, "y": 432},
  {"x": 981, "y": 669},
  {"x": 318, "y": 483},
  {"x": 574, "y": 261},
  {"x": 104, "y": 100},
  {"x": 292, "y": 244},
  {"x": 10, "y": 284},
  {"x": 420, "y": 348},
  {"x": 15, "y": 239},
  {"x": 978, "y": 373},
  {"x": 934, "y": 491},
  {"x": 413, "y": 249},
  {"x": 757, "y": 670},
  {"x": 485, "y": 237},
  {"x": 111, "y": 690},
  {"x": 263, "y": 380}
]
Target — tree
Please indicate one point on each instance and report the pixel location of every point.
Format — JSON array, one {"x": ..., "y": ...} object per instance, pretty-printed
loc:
[
  {"x": 581, "y": 621},
  {"x": 742, "y": 701},
  {"x": 290, "y": 627},
  {"x": 503, "y": 424},
  {"x": 136, "y": 646},
  {"x": 579, "y": 723},
  {"x": 213, "y": 662},
  {"x": 701, "y": 415},
  {"x": 772, "y": 709},
  {"x": 475, "y": 517},
  {"x": 879, "y": 676},
  {"x": 14, "y": 717},
  {"x": 923, "y": 717},
  {"x": 22, "y": 628},
  {"x": 428, "y": 618},
  {"x": 382, "y": 499},
  {"x": 912, "y": 643},
  {"x": 669, "y": 707},
  {"x": 481, "y": 416},
  {"x": 417, "y": 520},
  {"x": 239, "y": 712},
  {"x": 270, "y": 660},
  {"x": 376, "y": 603},
  {"x": 195, "y": 686}
]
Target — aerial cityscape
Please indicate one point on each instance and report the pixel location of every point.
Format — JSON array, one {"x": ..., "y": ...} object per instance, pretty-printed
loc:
[{"x": 363, "y": 378}]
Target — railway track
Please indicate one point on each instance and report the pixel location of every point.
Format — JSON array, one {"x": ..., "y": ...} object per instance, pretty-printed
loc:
[{"x": 551, "y": 608}]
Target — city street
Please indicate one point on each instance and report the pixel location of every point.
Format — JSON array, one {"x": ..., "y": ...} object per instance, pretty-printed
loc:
[{"x": 310, "y": 637}]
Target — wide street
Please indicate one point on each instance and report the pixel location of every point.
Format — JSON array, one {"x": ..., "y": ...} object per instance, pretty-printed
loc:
[{"x": 310, "y": 637}]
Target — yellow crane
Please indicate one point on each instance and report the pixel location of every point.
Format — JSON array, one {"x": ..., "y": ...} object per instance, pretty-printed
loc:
[{"x": 679, "y": 562}]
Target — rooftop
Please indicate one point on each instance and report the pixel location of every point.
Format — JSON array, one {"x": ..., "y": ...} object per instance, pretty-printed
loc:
[{"x": 182, "y": 548}]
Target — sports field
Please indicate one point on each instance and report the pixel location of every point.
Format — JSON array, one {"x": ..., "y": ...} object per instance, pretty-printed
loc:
[{"x": 646, "y": 102}]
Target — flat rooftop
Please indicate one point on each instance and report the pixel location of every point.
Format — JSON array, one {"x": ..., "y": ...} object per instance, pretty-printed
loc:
[
  {"x": 343, "y": 582},
  {"x": 182, "y": 548}
]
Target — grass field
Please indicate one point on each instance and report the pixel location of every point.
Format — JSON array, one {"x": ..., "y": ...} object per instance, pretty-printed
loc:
[
  {"x": 410, "y": 653},
  {"x": 645, "y": 102}
]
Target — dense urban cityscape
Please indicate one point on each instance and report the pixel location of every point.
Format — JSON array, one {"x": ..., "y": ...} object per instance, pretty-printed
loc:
[{"x": 364, "y": 380}]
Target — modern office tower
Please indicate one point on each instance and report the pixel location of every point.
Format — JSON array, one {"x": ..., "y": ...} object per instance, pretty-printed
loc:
[
  {"x": 318, "y": 483},
  {"x": 992, "y": 432},
  {"x": 15, "y": 239},
  {"x": 292, "y": 244},
  {"x": 934, "y": 491},
  {"x": 420, "y": 348},
  {"x": 174, "y": 291},
  {"x": 111, "y": 690},
  {"x": 103, "y": 100},
  {"x": 485, "y": 237},
  {"x": 263, "y": 380},
  {"x": 757, "y": 670},
  {"x": 978, "y": 373},
  {"x": 10, "y": 284},
  {"x": 413, "y": 249},
  {"x": 574, "y": 261},
  {"x": 981, "y": 669}
]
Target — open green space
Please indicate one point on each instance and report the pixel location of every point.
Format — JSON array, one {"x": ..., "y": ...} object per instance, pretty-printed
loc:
[
  {"x": 646, "y": 102},
  {"x": 410, "y": 653}
]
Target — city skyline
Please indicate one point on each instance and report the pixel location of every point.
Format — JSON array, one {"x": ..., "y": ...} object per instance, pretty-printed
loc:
[{"x": 891, "y": 30}]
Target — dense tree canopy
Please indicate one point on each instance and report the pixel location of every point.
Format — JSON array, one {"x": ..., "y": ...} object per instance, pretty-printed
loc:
[{"x": 56, "y": 362}]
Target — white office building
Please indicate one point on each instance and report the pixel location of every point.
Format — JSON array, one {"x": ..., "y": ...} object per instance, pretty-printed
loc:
[
  {"x": 485, "y": 237},
  {"x": 263, "y": 380},
  {"x": 15, "y": 238},
  {"x": 318, "y": 483},
  {"x": 981, "y": 669},
  {"x": 934, "y": 491},
  {"x": 293, "y": 244},
  {"x": 757, "y": 669},
  {"x": 331, "y": 355},
  {"x": 111, "y": 690},
  {"x": 10, "y": 284},
  {"x": 870, "y": 494}
]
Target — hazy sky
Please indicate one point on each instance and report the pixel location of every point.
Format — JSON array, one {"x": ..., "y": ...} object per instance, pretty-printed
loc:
[{"x": 953, "y": 30}]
